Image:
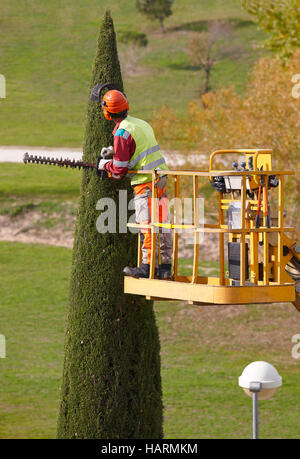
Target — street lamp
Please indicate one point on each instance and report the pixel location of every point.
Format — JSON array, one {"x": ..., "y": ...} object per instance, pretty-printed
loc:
[{"x": 260, "y": 380}]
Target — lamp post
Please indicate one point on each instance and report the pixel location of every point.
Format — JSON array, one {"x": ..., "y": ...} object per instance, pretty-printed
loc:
[{"x": 260, "y": 380}]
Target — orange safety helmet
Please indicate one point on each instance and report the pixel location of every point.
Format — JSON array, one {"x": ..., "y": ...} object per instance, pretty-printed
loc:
[{"x": 114, "y": 101}]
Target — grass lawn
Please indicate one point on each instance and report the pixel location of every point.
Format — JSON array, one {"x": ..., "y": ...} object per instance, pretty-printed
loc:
[
  {"x": 47, "y": 51},
  {"x": 203, "y": 352},
  {"x": 51, "y": 191},
  {"x": 34, "y": 290},
  {"x": 34, "y": 180}
]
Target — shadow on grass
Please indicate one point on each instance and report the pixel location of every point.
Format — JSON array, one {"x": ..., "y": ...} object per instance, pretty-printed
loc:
[
  {"x": 202, "y": 26},
  {"x": 180, "y": 66}
]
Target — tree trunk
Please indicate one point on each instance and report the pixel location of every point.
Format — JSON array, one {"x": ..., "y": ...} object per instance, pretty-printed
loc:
[
  {"x": 207, "y": 70},
  {"x": 111, "y": 380},
  {"x": 162, "y": 26}
]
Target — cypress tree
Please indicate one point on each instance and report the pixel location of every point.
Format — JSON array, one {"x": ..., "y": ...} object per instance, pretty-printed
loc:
[{"x": 111, "y": 379}]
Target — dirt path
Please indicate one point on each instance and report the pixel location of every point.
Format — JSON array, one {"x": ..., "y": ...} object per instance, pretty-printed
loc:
[
  {"x": 25, "y": 228},
  {"x": 14, "y": 154}
]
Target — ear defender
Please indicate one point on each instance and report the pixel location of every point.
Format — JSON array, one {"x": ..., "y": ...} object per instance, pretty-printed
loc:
[{"x": 114, "y": 101}]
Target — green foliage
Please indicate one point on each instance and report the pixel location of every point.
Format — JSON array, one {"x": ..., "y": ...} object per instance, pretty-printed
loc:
[
  {"x": 156, "y": 9},
  {"x": 21, "y": 209},
  {"x": 133, "y": 37},
  {"x": 281, "y": 19},
  {"x": 111, "y": 382}
]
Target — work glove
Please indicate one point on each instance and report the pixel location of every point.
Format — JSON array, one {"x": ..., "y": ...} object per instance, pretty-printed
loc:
[
  {"x": 100, "y": 168},
  {"x": 107, "y": 152},
  {"x": 101, "y": 164}
]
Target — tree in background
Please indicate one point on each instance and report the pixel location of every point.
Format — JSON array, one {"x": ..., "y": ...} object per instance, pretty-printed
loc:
[
  {"x": 133, "y": 37},
  {"x": 209, "y": 48},
  {"x": 156, "y": 9},
  {"x": 281, "y": 19},
  {"x": 111, "y": 380},
  {"x": 133, "y": 43}
]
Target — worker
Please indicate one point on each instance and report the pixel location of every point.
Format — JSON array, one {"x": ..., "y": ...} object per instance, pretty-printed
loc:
[{"x": 135, "y": 148}]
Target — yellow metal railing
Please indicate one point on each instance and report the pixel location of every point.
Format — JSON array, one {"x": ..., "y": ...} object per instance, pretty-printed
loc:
[{"x": 246, "y": 233}]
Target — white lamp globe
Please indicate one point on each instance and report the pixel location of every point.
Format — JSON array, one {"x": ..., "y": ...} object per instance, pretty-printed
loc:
[{"x": 264, "y": 373}]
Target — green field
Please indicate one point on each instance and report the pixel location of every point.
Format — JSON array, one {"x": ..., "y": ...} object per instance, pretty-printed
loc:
[
  {"x": 203, "y": 352},
  {"x": 47, "y": 51},
  {"x": 33, "y": 180}
]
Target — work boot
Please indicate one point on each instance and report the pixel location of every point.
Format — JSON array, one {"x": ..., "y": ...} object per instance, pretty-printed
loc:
[
  {"x": 141, "y": 271},
  {"x": 165, "y": 271}
]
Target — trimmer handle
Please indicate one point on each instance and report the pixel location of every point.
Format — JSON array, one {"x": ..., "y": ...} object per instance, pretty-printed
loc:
[
  {"x": 105, "y": 154},
  {"x": 102, "y": 174}
]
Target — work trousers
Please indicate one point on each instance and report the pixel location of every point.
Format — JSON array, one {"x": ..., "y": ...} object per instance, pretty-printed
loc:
[{"x": 142, "y": 202}]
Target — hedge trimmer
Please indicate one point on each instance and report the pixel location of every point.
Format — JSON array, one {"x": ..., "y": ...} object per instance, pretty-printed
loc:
[{"x": 72, "y": 163}]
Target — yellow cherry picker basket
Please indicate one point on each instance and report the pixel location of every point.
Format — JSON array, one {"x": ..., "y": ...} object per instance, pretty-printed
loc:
[{"x": 259, "y": 261}]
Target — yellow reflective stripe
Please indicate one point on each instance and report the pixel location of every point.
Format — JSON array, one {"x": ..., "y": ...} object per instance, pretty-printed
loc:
[
  {"x": 142, "y": 155},
  {"x": 120, "y": 163},
  {"x": 153, "y": 165}
]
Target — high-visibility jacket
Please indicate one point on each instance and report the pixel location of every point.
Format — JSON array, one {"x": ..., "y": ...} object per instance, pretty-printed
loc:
[{"x": 147, "y": 155}]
